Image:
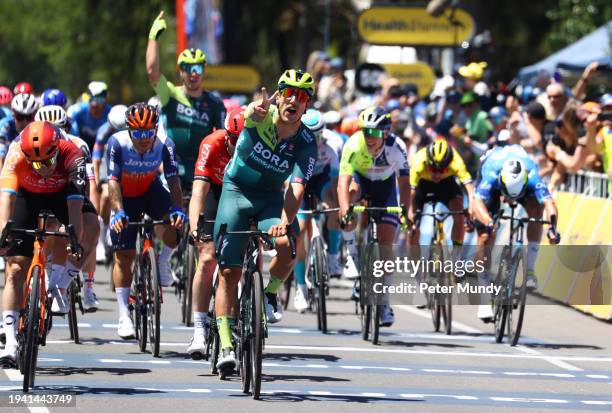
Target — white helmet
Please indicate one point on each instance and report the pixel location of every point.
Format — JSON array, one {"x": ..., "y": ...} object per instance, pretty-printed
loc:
[
  {"x": 24, "y": 104},
  {"x": 97, "y": 88},
  {"x": 154, "y": 101},
  {"x": 332, "y": 117},
  {"x": 513, "y": 179},
  {"x": 116, "y": 117},
  {"x": 313, "y": 119},
  {"x": 54, "y": 114}
]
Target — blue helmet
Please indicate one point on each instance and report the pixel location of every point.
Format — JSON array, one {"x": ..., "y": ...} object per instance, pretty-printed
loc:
[
  {"x": 54, "y": 97},
  {"x": 496, "y": 114}
]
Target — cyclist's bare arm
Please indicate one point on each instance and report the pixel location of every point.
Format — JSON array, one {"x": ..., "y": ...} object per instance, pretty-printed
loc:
[
  {"x": 114, "y": 194},
  {"x": 75, "y": 216},
  {"x": 197, "y": 205},
  {"x": 176, "y": 193},
  {"x": 344, "y": 198},
  {"x": 293, "y": 200},
  {"x": 480, "y": 211},
  {"x": 403, "y": 183},
  {"x": 7, "y": 205}
]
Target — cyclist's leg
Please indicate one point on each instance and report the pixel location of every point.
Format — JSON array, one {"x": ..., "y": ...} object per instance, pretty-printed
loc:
[
  {"x": 300, "y": 299},
  {"x": 234, "y": 210},
  {"x": 329, "y": 195},
  {"x": 202, "y": 283},
  {"x": 348, "y": 232},
  {"x": 19, "y": 257},
  {"x": 534, "y": 235}
]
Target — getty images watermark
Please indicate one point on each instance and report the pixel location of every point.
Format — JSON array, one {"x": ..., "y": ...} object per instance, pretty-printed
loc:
[{"x": 399, "y": 274}]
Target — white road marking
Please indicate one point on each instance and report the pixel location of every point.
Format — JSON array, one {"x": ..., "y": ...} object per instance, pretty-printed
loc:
[
  {"x": 425, "y": 314},
  {"x": 527, "y": 400},
  {"x": 119, "y": 361},
  {"x": 15, "y": 375},
  {"x": 597, "y": 376},
  {"x": 552, "y": 360}
]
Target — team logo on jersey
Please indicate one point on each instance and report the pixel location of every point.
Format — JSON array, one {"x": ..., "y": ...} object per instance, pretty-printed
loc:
[
  {"x": 268, "y": 155},
  {"x": 192, "y": 113}
]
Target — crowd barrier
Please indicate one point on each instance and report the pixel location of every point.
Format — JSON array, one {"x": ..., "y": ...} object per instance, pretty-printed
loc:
[
  {"x": 589, "y": 183},
  {"x": 585, "y": 219}
]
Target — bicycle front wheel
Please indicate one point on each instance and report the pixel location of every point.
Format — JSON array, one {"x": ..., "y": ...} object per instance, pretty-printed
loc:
[
  {"x": 153, "y": 300},
  {"x": 72, "y": 314},
  {"x": 500, "y": 311},
  {"x": 321, "y": 280},
  {"x": 516, "y": 309},
  {"x": 189, "y": 273},
  {"x": 31, "y": 330},
  {"x": 258, "y": 333},
  {"x": 139, "y": 290}
]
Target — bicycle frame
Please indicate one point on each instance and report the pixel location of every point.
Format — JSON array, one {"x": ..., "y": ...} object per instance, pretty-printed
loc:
[{"x": 38, "y": 260}]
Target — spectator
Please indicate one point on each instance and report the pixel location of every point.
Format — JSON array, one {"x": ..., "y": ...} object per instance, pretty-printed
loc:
[
  {"x": 556, "y": 99},
  {"x": 332, "y": 90}
]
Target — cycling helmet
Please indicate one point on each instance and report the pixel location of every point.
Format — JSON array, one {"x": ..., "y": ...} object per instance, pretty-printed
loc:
[
  {"x": 332, "y": 117},
  {"x": 23, "y": 87},
  {"x": 496, "y": 114},
  {"x": 5, "y": 96},
  {"x": 24, "y": 104},
  {"x": 52, "y": 113},
  {"x": 513, "y": 179},
  {"x": 54, "y": 97},
  {"x": 141, "y": 116},
  {"x": 234, "y": 123},
  {"x": 439, "y": 154},
  {"x": 40, "y": 141},
  {"x": 298, "y": 79},
  {"x": 313, "y": 119},
  {"x": 374, "y": 117},
  {"x": 116, "y": 117},
  {"x": 97, "y": 89},
  {"x": 191, "y": 56},
  {"x": 154, "y": 101}
]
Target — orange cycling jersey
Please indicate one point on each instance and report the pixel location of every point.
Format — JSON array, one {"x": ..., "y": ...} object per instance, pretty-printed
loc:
[
  {"x": 420, "y": 170},
  {"x": 18, "y": 174}
]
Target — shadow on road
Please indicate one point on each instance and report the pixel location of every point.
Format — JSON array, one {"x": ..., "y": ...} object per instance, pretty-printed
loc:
[
  {"x": 303, "y": 357},
  {"x": 292, "y": 397},
  {"x": 559, "y": 346},
  {"x": 69, "y": 371},
  {"x": 301, "y": 378},
  {"x": 124, "y": 391},
  {"x": 423, "y": 344}
]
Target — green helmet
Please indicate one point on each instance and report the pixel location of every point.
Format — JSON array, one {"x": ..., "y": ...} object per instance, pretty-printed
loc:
[
  {"x": 191, "y": 56},
  {"x": 297, "y": 79}
]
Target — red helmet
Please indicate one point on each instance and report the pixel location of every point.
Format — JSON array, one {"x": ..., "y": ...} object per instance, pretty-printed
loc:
[
  {"x": 40, "y": 141},
  {"x": 5, "y": 96},
  {"x": 234, "y": 123},
  {"x": 141, "y": 116},
  {"x": 23, "y": 87}
]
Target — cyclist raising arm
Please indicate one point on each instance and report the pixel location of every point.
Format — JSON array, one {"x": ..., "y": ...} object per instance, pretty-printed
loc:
[
  {"x": 273, "y": 145},
  {"x": 191, "y": 112}
]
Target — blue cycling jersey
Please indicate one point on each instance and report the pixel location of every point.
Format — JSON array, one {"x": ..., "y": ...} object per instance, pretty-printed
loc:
[
  {"x": 490, "y": 170},
  {"x": 102, "y": 136},
  {"x": 85, "y": 126},
  {"x": 5, "y": 112},
  {"x": 8, "y": 133},
  {"x": 136, "y": 172}
]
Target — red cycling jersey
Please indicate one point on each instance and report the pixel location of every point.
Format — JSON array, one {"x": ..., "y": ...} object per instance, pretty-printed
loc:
[
  {"x": 17, "y": 173},
  {"x": 213, "y": 158}
]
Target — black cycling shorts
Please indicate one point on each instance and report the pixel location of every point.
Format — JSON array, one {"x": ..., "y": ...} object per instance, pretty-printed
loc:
[{"x": 443, "y": 191}]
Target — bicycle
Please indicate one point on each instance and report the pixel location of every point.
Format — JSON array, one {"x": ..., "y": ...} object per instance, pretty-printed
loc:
[
  {"x": 368, "y": 254},
  {"x": 509, "y": 304},
  {"x": 252, "y": 326},
  {"x": 317, "y": 275},
  {"x": 146, "y": 296},
  {"x": 439, "y": 303},
  {"x": 74, "y": 297},
  {"x": 35, "y": 317}
]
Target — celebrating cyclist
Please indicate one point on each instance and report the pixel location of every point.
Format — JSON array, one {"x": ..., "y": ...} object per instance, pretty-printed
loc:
[
  {"x": 510, "y": 173},
  {"x": 215, "y": 152},
  {"x": 321, "y": 187},
  {"x": 374, "y": 166},
  {"x": 134, "y": 158},
  {"x": 273, "y": 145},
  {"x": 191, "y": 113},
  {"x": 44, "y": 172}
]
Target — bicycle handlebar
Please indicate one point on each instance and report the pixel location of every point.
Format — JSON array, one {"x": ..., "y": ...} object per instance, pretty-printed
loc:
[
  {"x": 77, "y": 250},
  {"x": 263, "y": 236},
  {"x": 399, "y": 210},
  {"x": 315, "y": 212}
]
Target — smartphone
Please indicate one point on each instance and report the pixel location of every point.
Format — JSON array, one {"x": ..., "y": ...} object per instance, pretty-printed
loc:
[{"x": 605, "y": 116}]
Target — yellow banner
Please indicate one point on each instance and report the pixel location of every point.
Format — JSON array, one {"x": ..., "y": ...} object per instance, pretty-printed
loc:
[
  {"x": 418, "y": 73},
  {"x": 231, "y": 78},
  {"x": 412, "y": 26}
]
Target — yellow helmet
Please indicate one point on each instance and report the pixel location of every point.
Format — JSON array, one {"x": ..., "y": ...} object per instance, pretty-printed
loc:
[
  {"x": 191, "y": 56},
  {"x": 439, "y": 154},
  {"x": 297, "y": 79}
]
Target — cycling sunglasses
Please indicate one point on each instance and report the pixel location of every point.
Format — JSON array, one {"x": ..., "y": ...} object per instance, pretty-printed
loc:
[
  {"x": 196, "y": 68},
  {"x": 300, "y": 95},
  {"x": 373, "y": 133},
  {"x": 47, "y": 163},
  {"x": 142, "y": 134}
]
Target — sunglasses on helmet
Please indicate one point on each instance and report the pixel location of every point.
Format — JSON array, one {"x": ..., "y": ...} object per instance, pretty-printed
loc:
[
  {"x": 142, "y": 134},
  {"x": 300, "y": 95},
  {"x": 47, "y": 163},
  {"x": 196, "y": 68},
  {"x": 373, "y": 133}
]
